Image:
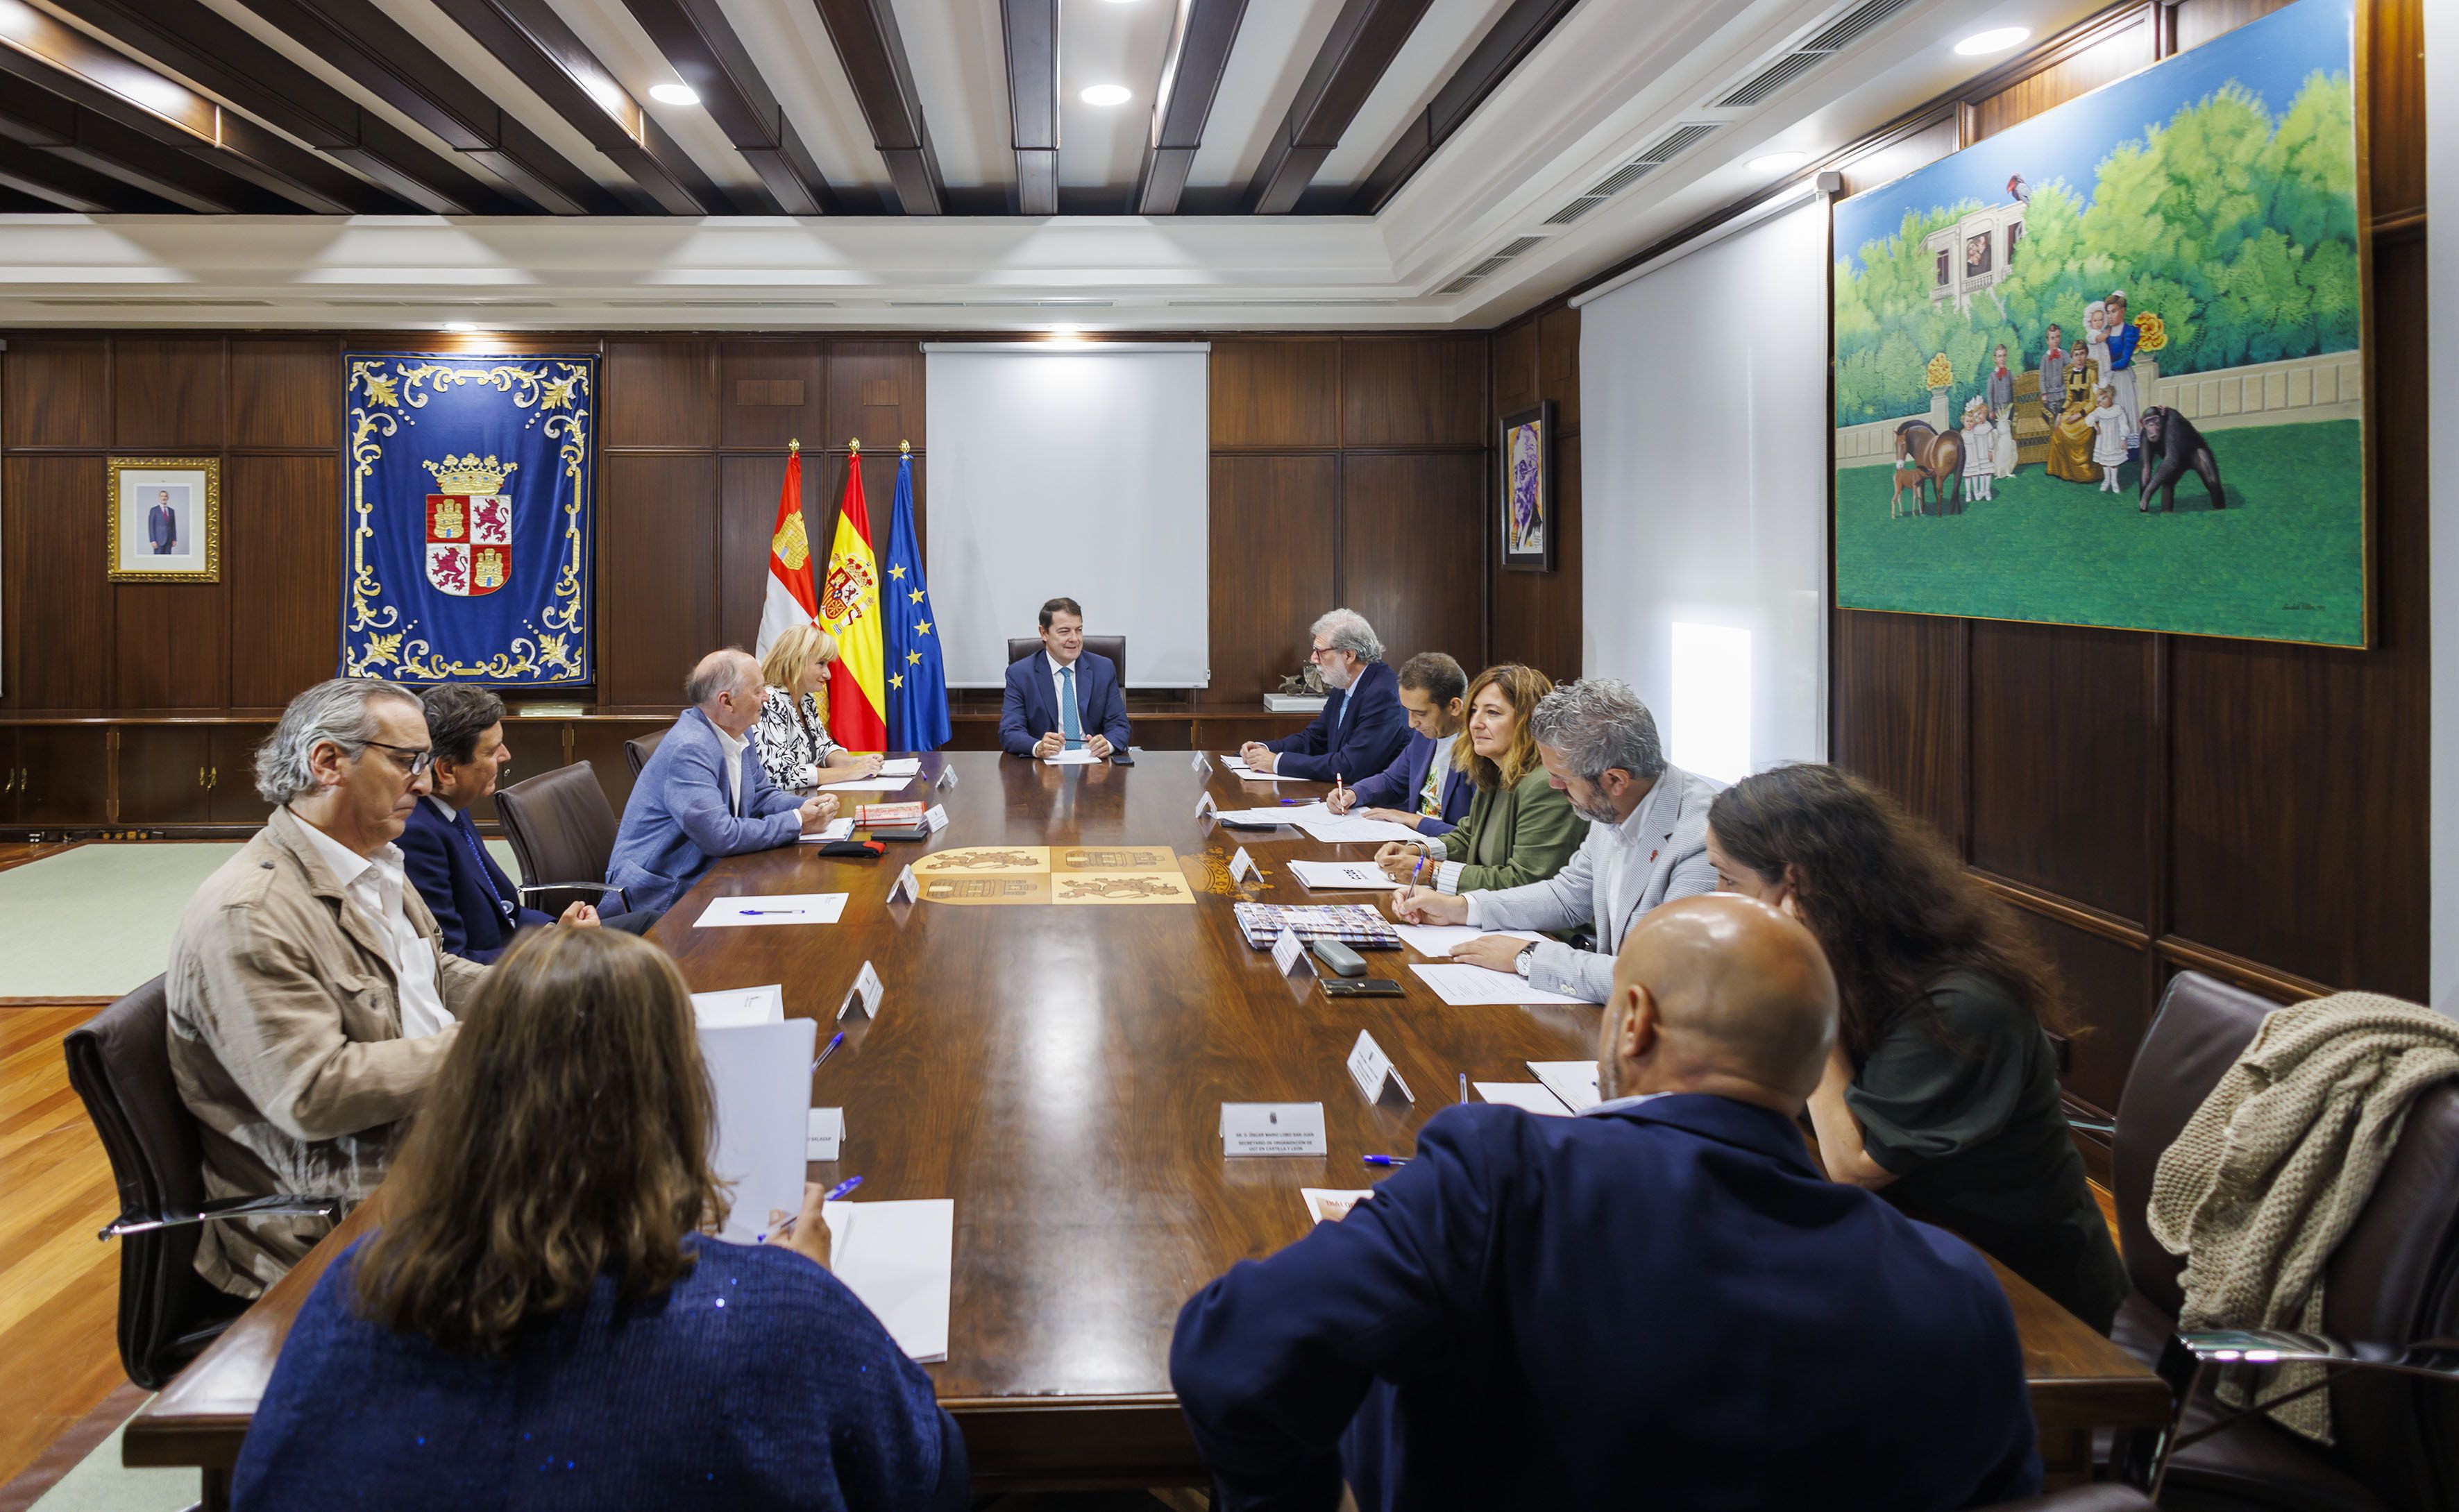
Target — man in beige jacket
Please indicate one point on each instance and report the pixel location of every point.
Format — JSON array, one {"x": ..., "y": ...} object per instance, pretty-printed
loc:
[{"x": 310, "y": 997}]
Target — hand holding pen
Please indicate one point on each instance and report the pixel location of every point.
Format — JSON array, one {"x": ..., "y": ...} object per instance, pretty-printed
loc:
[{"x": 807, "y": 1233}]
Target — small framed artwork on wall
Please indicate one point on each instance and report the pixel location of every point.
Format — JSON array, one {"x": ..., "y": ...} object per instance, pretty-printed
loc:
[
  {"x": 166, "y": 519},
  {"x": 1528, "y": 490}
]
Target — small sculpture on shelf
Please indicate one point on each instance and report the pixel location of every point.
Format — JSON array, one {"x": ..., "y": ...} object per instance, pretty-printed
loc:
[{"x": 1304, "y": 682}]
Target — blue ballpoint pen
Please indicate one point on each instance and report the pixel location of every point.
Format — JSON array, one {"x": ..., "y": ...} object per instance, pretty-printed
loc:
[
  {"x": 830, "y": 1050},
  {"x": 841, "y": 1189},
  {"x": 1387, "y": 1160}
]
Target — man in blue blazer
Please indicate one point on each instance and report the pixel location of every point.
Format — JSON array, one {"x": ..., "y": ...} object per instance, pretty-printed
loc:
[
  {"x": 703, "y": 793},
  {"x": 1093, "y": 720},
  {"x": 1661, "y": 1299},
  {"x": 1426, "y": 787},
  {"x": 476, "y": 907},
  {"x": 1360, "y": 729}
]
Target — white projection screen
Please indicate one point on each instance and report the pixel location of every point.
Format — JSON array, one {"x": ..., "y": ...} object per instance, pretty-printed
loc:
[
  {"x": 1703, "y": 399},
  {"x": 1075, "y": 471}
]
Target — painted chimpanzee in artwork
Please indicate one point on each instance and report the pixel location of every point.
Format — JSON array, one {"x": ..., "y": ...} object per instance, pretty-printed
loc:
[{"x": 2171, "y": 445}]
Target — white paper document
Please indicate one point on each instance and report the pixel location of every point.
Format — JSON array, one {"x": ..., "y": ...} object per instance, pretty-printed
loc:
[
  {"x": 763, "y": 1086},
  {"x": 1255, "y": 816},
  {"x": 837, "y": 829},
  {"x": 1325, "y": 1204},
  {"x": 826, "y": 1135},
  {"x": 738, "y": 1007},
  {"x": 1530, "y": 1095},
  {"x": 902, "y": 766},
  {"x": 1245, "y": 773},
  {"x": 1442, "y": 939},
  {"x": 1574, "y": 1081},
  {"x": 870, "y": 784},
  {"x": 776, "y": 907},
  {"x": 899, "y": 1257},
  {"x": 1271, "y": 1128},
  {"x": 1345, "y": 876},
  {"x": 1354, "y": 830},
  {"x": 1474, "y": 987},
  {"x": 1072, "y": 757}
]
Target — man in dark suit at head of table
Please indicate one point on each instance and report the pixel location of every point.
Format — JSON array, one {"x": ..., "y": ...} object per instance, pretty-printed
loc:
[
  {"x": 1362, "y": 727},
  {"x": 1663, "y": 1292}
]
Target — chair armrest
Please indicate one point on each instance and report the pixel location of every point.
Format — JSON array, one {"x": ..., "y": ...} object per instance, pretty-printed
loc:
[
  {"x": 2260, "y": 1348},
  {"x": 602, "y": 889},
  {"x": 554, "y": 898},
  {"x": 2092, "y": 1125},
  {"x": 281, "y": 1204}
]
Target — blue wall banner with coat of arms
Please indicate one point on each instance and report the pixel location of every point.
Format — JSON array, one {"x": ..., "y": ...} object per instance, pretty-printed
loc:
[{"x": 467, "y": 518}]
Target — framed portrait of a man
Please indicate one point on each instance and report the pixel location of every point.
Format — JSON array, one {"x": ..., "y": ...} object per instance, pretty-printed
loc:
[
  {"x": 166, "y": 519},
  {"x": 1527, "y": 447}
]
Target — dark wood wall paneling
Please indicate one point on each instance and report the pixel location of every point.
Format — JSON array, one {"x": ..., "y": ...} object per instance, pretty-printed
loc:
[
  {"x": 1537, "y": 615},
  {"x": 2153, "y": 801}
]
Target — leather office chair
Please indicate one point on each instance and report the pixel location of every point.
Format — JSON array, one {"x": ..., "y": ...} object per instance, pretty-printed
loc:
[
  {"x": 120, "y": 1061},
  {"x": 638, "y": 749},
  {"x": 1115, "y": 647},
  {"x": 2102, "y": 1498},
  {"x": 2392, "y": 1283},
  {"x": 562, "y": 832}
]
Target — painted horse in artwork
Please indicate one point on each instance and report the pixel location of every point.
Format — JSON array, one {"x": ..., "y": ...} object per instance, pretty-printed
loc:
[{"x": 1938, "y": 458}]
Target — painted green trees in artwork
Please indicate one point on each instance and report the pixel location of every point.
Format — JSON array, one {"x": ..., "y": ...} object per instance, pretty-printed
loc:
[{"x": 2239, "y": 230}]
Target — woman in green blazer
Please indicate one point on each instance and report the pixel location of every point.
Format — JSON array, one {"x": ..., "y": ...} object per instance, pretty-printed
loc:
[{"x": 1521, "y": 828}]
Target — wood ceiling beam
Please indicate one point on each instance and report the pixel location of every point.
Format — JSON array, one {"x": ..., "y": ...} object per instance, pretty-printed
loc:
[
  {"x": 705, "y": 52},
  {"x": 529, "y": 38},
  {"x": 1364, "y": 39},
  {"x": 64, "y": 185},
  {"x": 1199, "y": 53},
  {"x": 41, "y": 119},
  {"x": 228, "y": 59},
  {"x": 380, "y": 54},
  {"x": 56, "y": 58},
  {"x": 874, "y": 55},
  {"x": 1032, "y": 29},
  {"x": 1513, "y": 36}
]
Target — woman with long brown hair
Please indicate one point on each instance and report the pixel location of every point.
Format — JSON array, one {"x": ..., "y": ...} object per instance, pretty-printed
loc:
[
  {"x": 1942, "y": 1090},
  {"x": 545, "y": 1307},
  {"x": 1520, "y": 827}
]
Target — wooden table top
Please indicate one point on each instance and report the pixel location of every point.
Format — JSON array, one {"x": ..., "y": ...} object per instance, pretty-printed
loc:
[{"x": 1058, "y": 1073}]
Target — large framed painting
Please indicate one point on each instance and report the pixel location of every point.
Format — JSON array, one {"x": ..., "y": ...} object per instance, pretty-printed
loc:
[
  {"x": 466, "y": 518},
  {"x": 1528, "y": 446},
  {"x": 2108, "y": 367}
]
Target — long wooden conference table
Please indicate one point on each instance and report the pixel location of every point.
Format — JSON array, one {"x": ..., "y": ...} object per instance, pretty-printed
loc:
[{"x": 1052, "y": 1052}]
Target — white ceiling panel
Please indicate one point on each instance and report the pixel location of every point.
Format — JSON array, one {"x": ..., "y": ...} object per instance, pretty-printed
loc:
[
  {"x": 1447, "y": 34},
  {"x": 958, "y": 50},
  {"x": 444, "y": 37},
  {"x": 1105, "y": 43},
  {"x": 1276, "y": 45},
  {"x": 800, "y": 65},
  {"x": 628, "y": 51}
]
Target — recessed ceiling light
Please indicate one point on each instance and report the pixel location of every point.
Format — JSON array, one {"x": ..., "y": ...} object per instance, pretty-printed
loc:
[
  {"x": 461, "y": 326},
  {"x": 1778, "y": 162},
  {"x": 1997, "y": 39},
  {"x": 1106, "y": 94},
  {"x": 673, "y": 94}
]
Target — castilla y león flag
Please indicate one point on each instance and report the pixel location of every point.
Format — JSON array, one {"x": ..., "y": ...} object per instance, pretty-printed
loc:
[
  {"x": 850, "y": 608},
  {"x": 791, "y": 601}
]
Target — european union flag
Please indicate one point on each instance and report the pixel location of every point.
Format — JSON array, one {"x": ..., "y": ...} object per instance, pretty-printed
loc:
[{"x": 917, "y": 676}]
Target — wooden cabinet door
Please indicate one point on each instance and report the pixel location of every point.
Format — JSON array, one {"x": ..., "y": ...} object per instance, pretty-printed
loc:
[
  {"x": 65, "y": 775},
  {"x": 163, "y": 773},
  {"x": 230, "y": 774}
]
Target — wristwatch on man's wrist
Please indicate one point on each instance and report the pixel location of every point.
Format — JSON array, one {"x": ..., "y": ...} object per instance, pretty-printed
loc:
[{"x": 1522, "y": 961}]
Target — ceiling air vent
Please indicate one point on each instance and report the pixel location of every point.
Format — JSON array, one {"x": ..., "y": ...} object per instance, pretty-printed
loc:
[
  {"x": 1849, "y": 27},
  {"x": 1520, "y": 245},
  {"x": 1461, "y": 282},
  {"x": 1681, "y": 140},
  {"x": 1621, "y": 179},
  {"x": 1837, "y": 35},
  {"x": 147, "y": 301},
  {"x": 1574, "y": 210},
  {"x": 1775, "y": 76}
]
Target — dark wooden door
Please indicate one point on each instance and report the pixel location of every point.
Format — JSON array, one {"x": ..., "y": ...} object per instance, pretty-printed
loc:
[
  {"x": 230, "y": 774},
  {"x": 64, "y": 774}
]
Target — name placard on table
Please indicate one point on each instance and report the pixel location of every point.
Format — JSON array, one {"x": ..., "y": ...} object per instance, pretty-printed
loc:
[
  {"x": 826, "y": 1135},
  {"x": 1289, "y": 954},
  {"x": 1374, "y": 1071},
  {"x": 866, "y": 992},
  {"x": 1271, "y": 1128}
]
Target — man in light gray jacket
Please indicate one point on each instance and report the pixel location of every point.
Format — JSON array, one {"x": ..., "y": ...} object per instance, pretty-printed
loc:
[{"x": 1646, "y": 845}]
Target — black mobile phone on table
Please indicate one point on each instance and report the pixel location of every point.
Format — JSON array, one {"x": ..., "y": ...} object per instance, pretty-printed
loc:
[{"x": 1361, "y": 987}]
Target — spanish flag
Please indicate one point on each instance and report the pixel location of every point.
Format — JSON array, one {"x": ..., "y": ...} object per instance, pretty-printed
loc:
[{"x": 849, "y": 609}]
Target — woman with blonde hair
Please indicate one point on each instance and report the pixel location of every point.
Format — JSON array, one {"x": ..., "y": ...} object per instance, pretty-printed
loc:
[
  {"x": 544, "y": 1317},
  {"x": 795, "y": 751},
  {"x": 1520, "y": 827}
]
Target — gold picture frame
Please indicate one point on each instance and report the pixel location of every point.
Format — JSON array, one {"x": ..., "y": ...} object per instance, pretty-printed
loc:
[{"x": 166, "y": 518}]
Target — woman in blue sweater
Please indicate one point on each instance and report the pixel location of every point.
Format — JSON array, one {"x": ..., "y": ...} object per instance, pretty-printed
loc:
[{"x": 543, "y": 1320}]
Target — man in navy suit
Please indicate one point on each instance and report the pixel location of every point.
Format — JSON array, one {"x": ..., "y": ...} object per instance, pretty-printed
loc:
[
  {"x": 1070, "y": 694},
  {"x": 704, "y": 794},
  {"x": 1662, "y": 1299},
  {"x": 1427, "y": 786},
  {"x": 1360, "y": 729},
  {"x": 162, "y": 525}
]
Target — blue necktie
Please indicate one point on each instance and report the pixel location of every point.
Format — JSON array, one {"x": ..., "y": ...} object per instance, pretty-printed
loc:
[{"x": 1070, "y": 724}]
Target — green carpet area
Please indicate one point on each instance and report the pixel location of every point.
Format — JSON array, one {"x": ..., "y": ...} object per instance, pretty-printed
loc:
[
  {"x": 100, "y": 1483},
  {"x": 2285, "y": 560},
  {"x": 96, "y": 921}
]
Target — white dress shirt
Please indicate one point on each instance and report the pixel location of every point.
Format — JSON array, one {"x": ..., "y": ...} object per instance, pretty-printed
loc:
[
  {"x": 735, "y": 746},
  {"x": 374, "y": 886}
]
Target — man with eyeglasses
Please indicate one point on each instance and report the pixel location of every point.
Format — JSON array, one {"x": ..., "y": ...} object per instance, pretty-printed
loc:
[
  {"x": 310, "y": 995},
  {"x": 1362, "y": 727}
]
